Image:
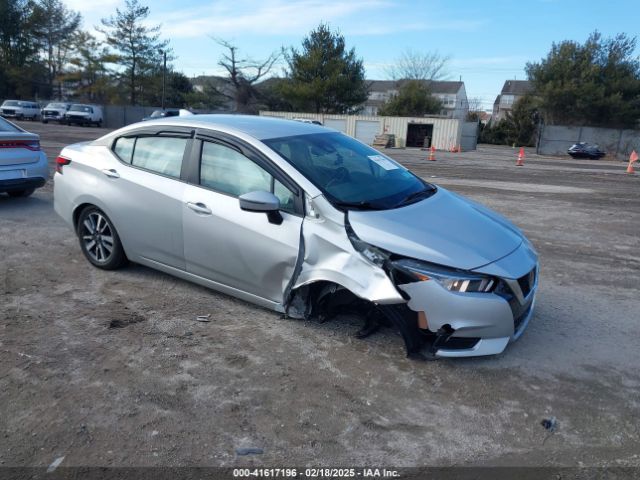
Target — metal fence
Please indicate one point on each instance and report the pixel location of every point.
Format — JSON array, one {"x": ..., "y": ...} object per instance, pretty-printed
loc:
[
  {"x": 618, "y": 143},
  {"x": 116, "y": 116}
]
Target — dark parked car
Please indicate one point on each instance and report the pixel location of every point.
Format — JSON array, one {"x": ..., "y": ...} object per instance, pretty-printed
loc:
[
  {"x": 167, "y": 112},
  {"x": 585, "y": 150}
]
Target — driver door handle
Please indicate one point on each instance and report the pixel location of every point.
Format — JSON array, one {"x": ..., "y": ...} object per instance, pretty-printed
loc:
[
  {"x": 110, "y": 172},
  {"x": 199, "y": 208}
]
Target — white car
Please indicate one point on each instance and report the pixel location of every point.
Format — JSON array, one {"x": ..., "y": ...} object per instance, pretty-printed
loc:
[
  {"x": 20, "y": 109},
  {"x": 82, "y": 114},
  {"x": 23, "y": 165},
  {"x": 55, "y": 112}
]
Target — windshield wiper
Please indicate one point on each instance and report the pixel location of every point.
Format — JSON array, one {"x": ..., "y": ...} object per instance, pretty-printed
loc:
[
  {"x": 415, "y": 196},
  {"x": 359, "y": 205}
]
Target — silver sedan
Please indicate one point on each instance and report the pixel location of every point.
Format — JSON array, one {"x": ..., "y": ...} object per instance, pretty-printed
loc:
[{"x": 303, "y": 220}]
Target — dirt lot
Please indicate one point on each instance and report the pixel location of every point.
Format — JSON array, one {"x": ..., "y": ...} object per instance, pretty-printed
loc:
[{"x": 111, "y": 368}]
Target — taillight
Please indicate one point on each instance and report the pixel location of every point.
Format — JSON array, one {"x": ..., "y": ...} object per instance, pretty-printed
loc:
[
  {"x": 61, "y": 162},
  {"x": 33, "y": 145}
]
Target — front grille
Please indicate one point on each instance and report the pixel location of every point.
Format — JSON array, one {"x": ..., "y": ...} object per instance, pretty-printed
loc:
[
  {"x": 8, "y": 112},
  {"x": 518, "y": 310},
  {"x": 76, "y": 117},
  {"x": 527, "y": 282},
  {"x": 51, "y": 114}
]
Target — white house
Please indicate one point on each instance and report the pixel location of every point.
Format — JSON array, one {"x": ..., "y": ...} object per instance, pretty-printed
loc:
[{"x": 453, "y": 96}]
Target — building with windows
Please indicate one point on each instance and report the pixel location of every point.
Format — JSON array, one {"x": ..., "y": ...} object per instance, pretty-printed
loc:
[
  {"x": 512, "y": 91},
  {"x": 453, "y": 96}
]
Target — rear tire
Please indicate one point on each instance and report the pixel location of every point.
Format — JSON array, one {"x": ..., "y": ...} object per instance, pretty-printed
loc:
[
  {"x": 99, "y": 240},
  {"x": 21, "y": 193}
]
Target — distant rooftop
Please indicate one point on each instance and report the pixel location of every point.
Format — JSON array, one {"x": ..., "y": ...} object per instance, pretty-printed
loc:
[
  {"x": 516, "y": 87},
  {"x": 436, "y": 86}
]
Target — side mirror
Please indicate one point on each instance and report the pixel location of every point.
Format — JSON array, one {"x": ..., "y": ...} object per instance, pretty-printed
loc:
[{"x": 261, "y": 201}]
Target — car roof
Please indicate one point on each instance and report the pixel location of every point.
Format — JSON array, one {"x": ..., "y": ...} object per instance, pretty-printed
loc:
[{"x": 261, "y": 128}]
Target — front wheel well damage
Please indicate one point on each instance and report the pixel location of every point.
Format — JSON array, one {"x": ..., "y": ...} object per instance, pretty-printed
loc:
[{"x": 324, "y": 300}]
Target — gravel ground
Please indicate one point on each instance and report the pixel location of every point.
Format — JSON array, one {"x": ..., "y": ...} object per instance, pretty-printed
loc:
[{"x": 112, "y": 369}]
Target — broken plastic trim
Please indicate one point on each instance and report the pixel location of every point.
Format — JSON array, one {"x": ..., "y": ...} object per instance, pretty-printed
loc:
[{"x": 380, "y": 258}]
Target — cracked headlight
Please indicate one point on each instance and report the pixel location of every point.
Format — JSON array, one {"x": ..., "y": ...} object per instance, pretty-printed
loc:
[{"x": 451, "y": 279}]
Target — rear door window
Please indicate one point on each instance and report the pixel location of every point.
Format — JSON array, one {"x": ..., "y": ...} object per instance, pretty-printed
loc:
[{"x": 162, "y": 155}]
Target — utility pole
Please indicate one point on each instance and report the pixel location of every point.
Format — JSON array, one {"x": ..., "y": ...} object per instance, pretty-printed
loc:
[{"x": 164, "y": 74}]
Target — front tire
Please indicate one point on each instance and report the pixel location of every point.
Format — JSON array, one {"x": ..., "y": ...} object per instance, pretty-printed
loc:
[
  {"x": 99, "y": 240},
  {"x": 21, "y": 193}
]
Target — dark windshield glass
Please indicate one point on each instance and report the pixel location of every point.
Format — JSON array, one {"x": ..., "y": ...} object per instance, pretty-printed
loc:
[
  {"x": 80, "y": 108},
  {"x": 57, "y": 105},
  {"x": 164, "y": 113},
  {"x": 350, "y": 174}
]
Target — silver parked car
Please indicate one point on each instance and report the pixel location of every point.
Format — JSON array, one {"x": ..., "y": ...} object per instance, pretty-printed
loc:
[
  {"x": 23, "y": 165},
  {"x": 303, "y": 220}
]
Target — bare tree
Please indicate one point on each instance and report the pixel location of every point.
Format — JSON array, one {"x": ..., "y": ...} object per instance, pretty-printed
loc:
[
  {"x": 242, "y": 75},
  {"x": 475, "y": 104},
  {"x": 475, "y": 109},
  {"x": 413, "y": 65}
]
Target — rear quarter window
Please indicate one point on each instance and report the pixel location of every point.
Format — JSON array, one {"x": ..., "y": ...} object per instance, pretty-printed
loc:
[{"x": 123, "y": 148}]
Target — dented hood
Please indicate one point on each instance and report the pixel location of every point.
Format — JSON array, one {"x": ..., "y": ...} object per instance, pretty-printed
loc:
[{"x": 445, "y": 228}]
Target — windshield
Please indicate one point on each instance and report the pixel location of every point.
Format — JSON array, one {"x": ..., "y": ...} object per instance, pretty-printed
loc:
[
  {"x": 80, "y": 108},
  {"x": 350, "y": 174},
  {"x": 11, "y": 103},
  {"x": 57, "y": 105}
]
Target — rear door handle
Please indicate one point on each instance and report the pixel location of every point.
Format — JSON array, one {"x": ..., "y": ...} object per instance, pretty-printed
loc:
[
  {"x": 110, "y": 172},
  {"x": 199, "y": 208}
]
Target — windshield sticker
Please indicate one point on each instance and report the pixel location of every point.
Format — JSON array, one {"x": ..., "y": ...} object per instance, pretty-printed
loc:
[{"x": 384, "y": 162}]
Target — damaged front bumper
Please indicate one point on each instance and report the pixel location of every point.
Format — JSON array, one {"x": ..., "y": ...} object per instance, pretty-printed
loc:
[{"x": 473, "y": 324}]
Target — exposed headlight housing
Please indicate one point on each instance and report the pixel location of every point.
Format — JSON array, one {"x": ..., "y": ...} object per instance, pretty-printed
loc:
[
  {"x": 371, "y": 253},
  {"x": 451, "y": 279}
]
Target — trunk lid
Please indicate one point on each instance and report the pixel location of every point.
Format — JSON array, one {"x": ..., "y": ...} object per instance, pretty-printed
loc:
[{"x": 17, "y": 148}]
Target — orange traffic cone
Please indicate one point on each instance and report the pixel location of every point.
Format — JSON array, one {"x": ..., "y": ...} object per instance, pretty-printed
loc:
[
  {"x": 632, "y": 158},
  {"x": 520, "y": 162},
  {"x": 432, "y": 154}
]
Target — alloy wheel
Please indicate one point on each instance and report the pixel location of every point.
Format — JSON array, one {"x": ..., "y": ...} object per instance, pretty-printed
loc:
[{"x": 97, "y": 237}]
